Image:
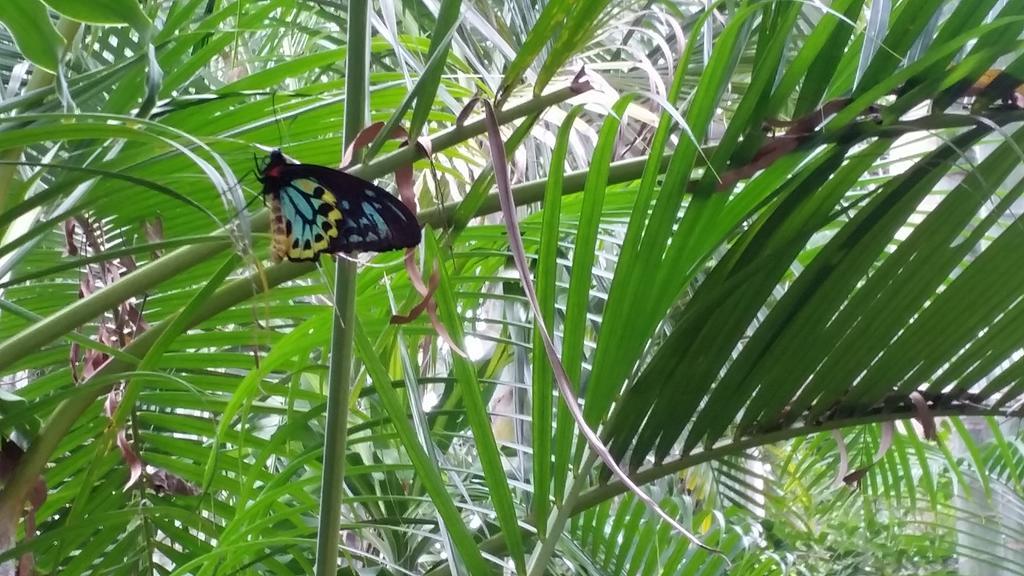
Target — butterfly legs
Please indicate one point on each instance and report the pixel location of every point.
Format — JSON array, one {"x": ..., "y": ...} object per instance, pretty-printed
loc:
[{"x": 258, "y": 172}]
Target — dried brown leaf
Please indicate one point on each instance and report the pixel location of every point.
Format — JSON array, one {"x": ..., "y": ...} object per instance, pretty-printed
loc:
[
  {"x": 131, "y": 457},
  {"x": 844, "y": 457},
  {"x": 70, "y": 247},
  {"x": 924, "y": 415},
  {"x": 164, "y": 482},
  {"x": 885, "y": 442}
]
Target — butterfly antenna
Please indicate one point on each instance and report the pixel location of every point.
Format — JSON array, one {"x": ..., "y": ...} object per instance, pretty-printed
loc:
[
  {"x": 251, "y": 200},
  {"x": 247, "y": 204},
  {"x": 258, "y": 174},
  {"x": 277, "y": 119}
]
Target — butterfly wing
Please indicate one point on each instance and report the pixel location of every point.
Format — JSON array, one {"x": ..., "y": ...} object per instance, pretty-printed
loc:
[
  {"x": 317, "y": 209},
  {"x": 373, "y": 220},
  {"x": 306, "y": 218}
]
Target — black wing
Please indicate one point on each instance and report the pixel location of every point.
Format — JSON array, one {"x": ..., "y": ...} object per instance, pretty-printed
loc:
[{"x": 372, "y": 218}]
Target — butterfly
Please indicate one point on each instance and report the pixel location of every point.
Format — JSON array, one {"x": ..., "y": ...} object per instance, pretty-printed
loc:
[{"x": 316, "y": 209}]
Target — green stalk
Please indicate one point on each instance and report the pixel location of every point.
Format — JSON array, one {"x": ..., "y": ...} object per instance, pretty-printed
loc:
[
  {"x": 33, "y": 338},
  {"x": 339, "y": 382},
  {"x": 603, "y": 492},
  {"x": 460, "y": 133},
  {"x": 533, "y": 191},
  {"x": 339, "y": 376},
  {"x": 542, "y": 554}
]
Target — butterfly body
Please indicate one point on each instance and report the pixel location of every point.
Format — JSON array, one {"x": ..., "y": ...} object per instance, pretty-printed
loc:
[{"x": 316, "y": 209}]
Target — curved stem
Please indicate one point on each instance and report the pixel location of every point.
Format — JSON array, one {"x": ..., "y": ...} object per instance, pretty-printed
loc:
[
  {"x": 598, "y": 494},
  {"x": 542, "y": 554}
]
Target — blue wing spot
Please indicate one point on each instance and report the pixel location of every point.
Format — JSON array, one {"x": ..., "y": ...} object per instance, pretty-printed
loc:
[
  {"x": 353, "y": 238},
  {"x": 371, "y": 237},
  {"x": 344, "y": 204},
  {"x": 303, "y": 203},
  {"x": 371, "y": 194},
  {"x": 377, "y": 220}
]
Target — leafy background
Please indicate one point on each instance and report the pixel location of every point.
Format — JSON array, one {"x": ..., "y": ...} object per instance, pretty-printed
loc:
[{"x": 761, "y": 232}]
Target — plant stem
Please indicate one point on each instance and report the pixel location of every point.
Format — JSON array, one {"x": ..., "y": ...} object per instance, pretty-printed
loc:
[
  {"x": 632, "y": 169},
  {"x": 553, "y": 534},
  {"x": 332, "y": 483},
  {"x": 339, "y": 376},
  {"x": 460, "y": 133},
  {"x": 604, "y": 492}
]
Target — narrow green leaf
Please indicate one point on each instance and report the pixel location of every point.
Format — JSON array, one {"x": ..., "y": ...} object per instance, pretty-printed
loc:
[
  {"x": 905, "y": 29},
  {"x": 549, "y": 21},
  {"x": 857, "y": 246},
  {"x": 296, "y": 343},
  {"x": 547, "y": 276},
  {"x": 108, "y": 12},
  {"x": 271, "y": 76},
  {"x": 426, "y": 468},
  {"x": 581, "y": 19},
  {"x": 1005, "y": 451},
  {"x": 34, "y": 33},
  {"x": 636, "y": 515},
  {"x": 447, "y": 23},
  {"x": 580, "y": 282},
  {"x": 874, "y": 36},
  {"x": 480, "y": 422},
  {"x": 609, "y": 355},
  {"x": 425, "y": 90},
  {"x": 975, "y": 453},
  {"x": 736, "y": 381},
  {"x": 815, "y": 65},
  {"x": 642, "y": 302}
]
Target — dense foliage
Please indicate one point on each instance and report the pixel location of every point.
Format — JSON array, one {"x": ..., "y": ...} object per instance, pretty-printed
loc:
[{"x": 775, "y": 246}]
